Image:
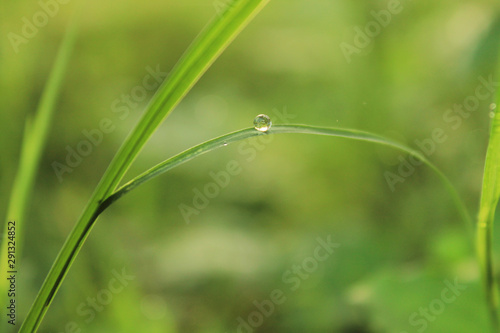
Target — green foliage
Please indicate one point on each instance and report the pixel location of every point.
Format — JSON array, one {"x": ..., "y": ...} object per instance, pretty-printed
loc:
[
  {"x": 398, "y": 253},
  {"x": 36, "y": 133},
  {"x": 489, "y": 200},
  {"x": 197, "y": 59}
]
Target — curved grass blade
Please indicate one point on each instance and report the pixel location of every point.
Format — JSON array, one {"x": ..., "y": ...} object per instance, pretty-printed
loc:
[
  {"x": 233, "y": 137},
  {"x": 34, "y": 140},
  {"x": 489, "y": 200},
  {"x": 227, "y": 139},
  {"x": 194, "y": 63}
]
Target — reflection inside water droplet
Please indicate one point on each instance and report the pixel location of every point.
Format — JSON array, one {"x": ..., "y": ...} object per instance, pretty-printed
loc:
[{"x": 262, "y": 123}]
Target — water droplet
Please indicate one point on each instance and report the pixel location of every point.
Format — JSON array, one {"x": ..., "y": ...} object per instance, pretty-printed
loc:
[
  {"x": 493, "y": 106},
  {"x": 224, "y": 144},
  {"x": 492, "y": 114},
  {"x": 262, "y": 123}
]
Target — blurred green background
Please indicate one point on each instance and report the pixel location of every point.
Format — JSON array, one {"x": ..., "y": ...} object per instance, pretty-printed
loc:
[{"x": 398, "y": 251}]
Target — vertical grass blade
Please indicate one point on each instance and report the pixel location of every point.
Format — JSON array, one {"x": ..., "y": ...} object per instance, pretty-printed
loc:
[
  {"x": 198, "y": 58},
  {"x": 489, "y": 199},
  {"x": 34, "y": 140}
]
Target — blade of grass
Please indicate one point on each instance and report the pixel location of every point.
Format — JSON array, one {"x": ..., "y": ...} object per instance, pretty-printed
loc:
[
  {"x": 34, "y": 140},
  {"x": 244, "y": 134},
  {"x": 198, "y": 58},
  {"x": 227, "y": 139},
  {"x": 490, "y": 195},
  {"x": 240, "y": 135}
]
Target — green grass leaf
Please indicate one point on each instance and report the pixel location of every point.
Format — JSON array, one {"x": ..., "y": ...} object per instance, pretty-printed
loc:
[
  {"x": 489, "y": 199},
  {"x": 227, "y": 139},
  {"x": 36, "y": 132},
  {"x": 248, "y": 133},
  {"x": 206, "y": 48}
]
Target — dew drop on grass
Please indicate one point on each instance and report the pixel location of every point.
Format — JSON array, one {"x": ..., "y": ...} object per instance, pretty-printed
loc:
[
  {"x": 262, "y": 123},
  {"x": 493, "y": 106},
  {"x": 224, "y": 144}
]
